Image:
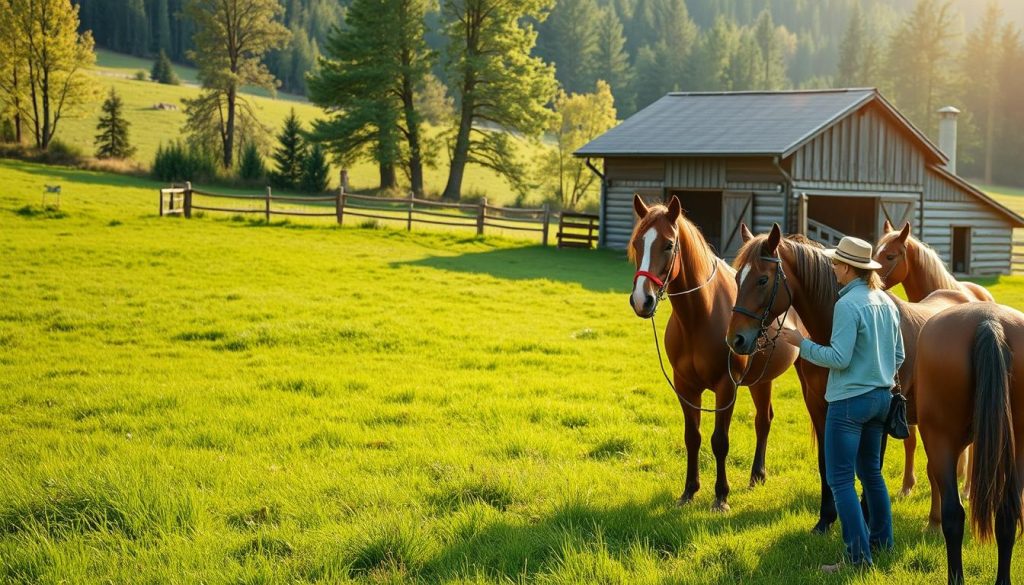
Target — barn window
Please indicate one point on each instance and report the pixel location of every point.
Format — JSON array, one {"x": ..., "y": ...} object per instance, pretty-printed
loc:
[{"x": 961, "y": 252}]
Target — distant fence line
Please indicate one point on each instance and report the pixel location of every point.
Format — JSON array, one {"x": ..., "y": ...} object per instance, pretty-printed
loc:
[{"x": 182, "y": 201}]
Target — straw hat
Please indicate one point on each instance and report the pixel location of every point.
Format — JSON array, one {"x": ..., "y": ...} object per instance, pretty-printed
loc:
[{"x": 855, "y": 252}]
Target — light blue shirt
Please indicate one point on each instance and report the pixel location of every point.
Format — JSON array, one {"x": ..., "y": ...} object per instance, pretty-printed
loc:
[{"x": 866, "y": 348}]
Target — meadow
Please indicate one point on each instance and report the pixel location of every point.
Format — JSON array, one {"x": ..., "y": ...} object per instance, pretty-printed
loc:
[
  {"x": 150, "y": 127},
  {"x": 222, "y": 401}
]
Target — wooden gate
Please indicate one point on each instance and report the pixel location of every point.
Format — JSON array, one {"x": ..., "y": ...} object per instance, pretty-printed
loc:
[{"x": 736, "y": 208}]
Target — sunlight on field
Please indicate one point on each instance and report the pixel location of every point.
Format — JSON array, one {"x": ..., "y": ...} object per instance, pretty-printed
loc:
[{"x": 227, "y": 402}]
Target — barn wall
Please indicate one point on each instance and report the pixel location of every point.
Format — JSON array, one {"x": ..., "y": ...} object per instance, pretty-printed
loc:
[
  {"x": 617, "y": 211},
  {"x": 634, "y": 169},
  {"x": 863, "y": 148},
  {"x": 948, "y": 205}
]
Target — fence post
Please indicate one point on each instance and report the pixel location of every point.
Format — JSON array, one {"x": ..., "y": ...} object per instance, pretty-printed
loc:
[
  {"x": 547, "y": 222},
  {"x": 162, "y": 202},
  {"x": 188, "y": 199},
  {"x": 408, "y": 225},
  {"x": 590, "y": 231},
  {"x": 339, "y": 204},
  {"x": 480, "y": 216},
  {"x": 267, "y": 208},
  {"x": 343, "y": 179}
]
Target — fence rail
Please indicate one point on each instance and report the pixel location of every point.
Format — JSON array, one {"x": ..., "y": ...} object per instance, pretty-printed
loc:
[
  {"x": 1017, "y": 255},
  {"x": 182, "y": 201}
]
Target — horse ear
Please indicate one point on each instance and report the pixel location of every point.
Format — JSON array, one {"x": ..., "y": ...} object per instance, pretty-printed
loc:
[
  {"x": 773, "y": 240},
  {"x": 905, "y": 233},
  {"x": 887, "y": 227},
  {"x": 745, "y": 233},
  {"x": 639, "y": 206},
  {"x": 675, "y": 209}
]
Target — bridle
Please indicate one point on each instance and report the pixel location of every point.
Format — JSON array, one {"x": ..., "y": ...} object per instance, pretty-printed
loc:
[
  {"x": 764, "y": 319},
  {"x": 899, "y": 260},
  {"x": 662, "y": 284}
]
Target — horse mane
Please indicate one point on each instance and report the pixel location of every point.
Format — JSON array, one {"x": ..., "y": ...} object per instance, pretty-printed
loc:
[
  {"x": 931, "y": 268},
  {"x": 694, "y": 250},
  {"x": 813, "y": 268}
]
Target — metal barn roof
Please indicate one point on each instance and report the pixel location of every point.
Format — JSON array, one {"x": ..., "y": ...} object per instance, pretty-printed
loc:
[{"x": 735, "y": 123}]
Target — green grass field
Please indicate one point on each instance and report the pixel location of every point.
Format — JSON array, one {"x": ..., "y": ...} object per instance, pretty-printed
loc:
[
  {"x": 220, "y": 401},
  {"x": 151, "y": 127}
]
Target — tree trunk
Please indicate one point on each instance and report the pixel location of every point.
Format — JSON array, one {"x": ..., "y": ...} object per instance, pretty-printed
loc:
[
  {"x": 413, "y": 125},
  {"x": 387, "y": 176},
  {"x": 47, "y": 131},
  {"x": 229, "y": 133},
  {"x": 453, "y": 190}
]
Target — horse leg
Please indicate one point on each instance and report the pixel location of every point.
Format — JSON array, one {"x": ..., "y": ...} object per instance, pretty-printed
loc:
[
  {"x": 813, "y": 383},
  {"x": 691, "y": 419},
  {"x": 964, "y": 468},
  {"x": 725, "y": 393},
  {"x": 909, "y": 476},
  {"x": 1006, "y": 536},
  {"x": 762, "y": 395},
  {"x": 942, "y": 464}
]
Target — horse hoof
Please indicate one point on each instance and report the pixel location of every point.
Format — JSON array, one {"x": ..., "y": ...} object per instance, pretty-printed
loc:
[
  {"x": 933, "y": 526},
  {"x": 685, "y": 499},
  {"x": 720, "y": 506},
  {"x": 821, "y": 527},
  {"x": 905, "y": 492},
  {"x": 758, "y": 478}
]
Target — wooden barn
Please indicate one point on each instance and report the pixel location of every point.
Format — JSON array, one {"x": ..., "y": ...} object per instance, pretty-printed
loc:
[{"x": 824, "y": 163}]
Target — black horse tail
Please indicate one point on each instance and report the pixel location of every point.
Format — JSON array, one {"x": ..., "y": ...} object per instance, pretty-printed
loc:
[{"x": 994, "y": 482}]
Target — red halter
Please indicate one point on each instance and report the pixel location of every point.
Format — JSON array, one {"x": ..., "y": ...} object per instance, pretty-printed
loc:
[{"x": 657, "y": 281}]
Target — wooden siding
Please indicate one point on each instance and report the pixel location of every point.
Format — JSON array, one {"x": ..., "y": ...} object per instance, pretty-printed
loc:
[
  {"x": 634, "y": 169},
  {"x": 865, "y": 147},
  {"x": 936, "y": 188},
  {"x": 991, "y": 235},
  {"x": 618, "y": 215},
  {"x": 768, "y": 209},
  {"x": 695, "y": 173}
]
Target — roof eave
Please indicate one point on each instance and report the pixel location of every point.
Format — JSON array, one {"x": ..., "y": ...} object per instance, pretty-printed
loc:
[
  {"x": 1014, "y": 218},
  {"x": 635, "y": 154}
]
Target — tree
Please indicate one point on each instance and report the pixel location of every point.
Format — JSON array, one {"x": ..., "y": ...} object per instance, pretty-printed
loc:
[
  {"x": 112, "y": 140},
  {"x": 368, "y": 79},
  {"x": 714, "y": 54},
  {"x": 981, "y": 82},
  {"x": 163, "y": 71},
  {"x": 611, "y": 61},
  {"x": 231, "y": 37},
  {"x": 290, "y": 153},
  {"x": 579, "y": 119},
  {"x": 770, "y": 42},
  {"x": 46, "y": 60},
  {"x": 568, "y": 38},
  {"x": 851, "y": 51},
  {"x": 314, "y": 171},
  {"x": 251, "y": 168},
  {"x": 918, "y": 52},
  {"x": 1010, "y": 132},
  {"x": 496, "y": 81}
]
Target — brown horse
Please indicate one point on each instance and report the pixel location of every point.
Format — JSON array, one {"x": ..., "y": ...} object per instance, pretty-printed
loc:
[
  {"x": 673, "y": 257},
  {"x": 908, "y": 261},
  {"x": 970, "y": 376},
  {"x": 810, "y": 286}
]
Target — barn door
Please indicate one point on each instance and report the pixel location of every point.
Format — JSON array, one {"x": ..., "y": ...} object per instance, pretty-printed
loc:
[
  {"x": 897, "y": 210},
  {"x": 736, "y": 208}
]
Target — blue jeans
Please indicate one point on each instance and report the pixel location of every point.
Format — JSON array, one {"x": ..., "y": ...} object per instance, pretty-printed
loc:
[{"x": 853, "y": 441}]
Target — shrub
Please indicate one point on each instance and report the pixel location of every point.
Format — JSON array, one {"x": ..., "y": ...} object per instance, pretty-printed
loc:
[
  {"x": 141, "y": 75},
  {"x": 163, "y": 71},
  {"x": 250, "y": 168},
  {"x": 176, "y": 162},
  {"x": 314, "y": 171}
]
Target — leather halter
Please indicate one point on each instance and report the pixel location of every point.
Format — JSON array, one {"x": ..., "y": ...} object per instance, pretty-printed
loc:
[{"x": 765, "y": 317}]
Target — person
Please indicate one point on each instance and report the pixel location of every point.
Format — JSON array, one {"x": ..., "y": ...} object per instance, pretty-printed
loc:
[{"x": 863, "y": 356}]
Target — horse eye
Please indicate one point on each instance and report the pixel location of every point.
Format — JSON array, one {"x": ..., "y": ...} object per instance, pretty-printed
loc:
[
  {"x": 890, "y": 257},
  {"x": 668, "y": 247},
  {"x": 762, "y": 281}
]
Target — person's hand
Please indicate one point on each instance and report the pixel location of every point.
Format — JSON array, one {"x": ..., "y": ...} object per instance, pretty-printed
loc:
[{"x": 791, "y": 336}]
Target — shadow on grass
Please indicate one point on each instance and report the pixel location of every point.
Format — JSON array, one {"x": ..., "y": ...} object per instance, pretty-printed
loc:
[
  {"x": 594, "y": 270},
  {"x": 73, "y": 175}
]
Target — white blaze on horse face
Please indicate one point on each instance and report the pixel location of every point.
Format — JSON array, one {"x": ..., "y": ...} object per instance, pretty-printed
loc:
[
  {"x": 744, "y": 274},
  {"x": 645, "y": 265}
]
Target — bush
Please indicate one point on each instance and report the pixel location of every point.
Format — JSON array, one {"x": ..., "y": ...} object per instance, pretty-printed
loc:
[
  {"x": 62, "y": 153},
  {"x": 314, "y": 171},
  {"x": 250, "y": 168},
  {"x": 163, "y": 71},
  {"x": 176, "y": 162},
  {"x": 141, "y": 75}
]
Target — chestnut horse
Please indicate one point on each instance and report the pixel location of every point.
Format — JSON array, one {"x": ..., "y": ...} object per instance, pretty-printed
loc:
[
  {"x": 810, "y": 286},
  {"x": 970, "y": 376},
  {"x": 908, "y": 261},
  {"x": 673, "y": 257}
]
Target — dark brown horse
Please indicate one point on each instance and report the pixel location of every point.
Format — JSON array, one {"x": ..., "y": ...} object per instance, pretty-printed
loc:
[
  {"x": 908, "y": 261},
  {"x": 804, "y": 275},
  {"x": 673, "y": 258},
  {"x": 970, "y": 377}
]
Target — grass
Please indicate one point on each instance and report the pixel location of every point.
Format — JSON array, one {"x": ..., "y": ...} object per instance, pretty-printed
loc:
[
  {"x": 150, "y": 127},
  {"x": 227, "y": 402}
]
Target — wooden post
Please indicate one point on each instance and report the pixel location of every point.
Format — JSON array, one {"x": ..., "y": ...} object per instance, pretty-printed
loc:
[
  {"x": 188, "y": 200},
  {"x": 267, "y": 208},
  {"x": 802, "y": 215},
  {"x": 343, "y": 179},
  {"x": 162, "y": 202},
  {"x": 590, "y": 231},
  {"x": 408, "y": 225},
  {"x": 339, "y": 204},
  {"x": 547, "y": 222},
  {"x": 480, "y": 216}
]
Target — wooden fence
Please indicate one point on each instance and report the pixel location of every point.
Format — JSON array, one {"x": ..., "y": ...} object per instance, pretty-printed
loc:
[{"x": 184, "y": 200}]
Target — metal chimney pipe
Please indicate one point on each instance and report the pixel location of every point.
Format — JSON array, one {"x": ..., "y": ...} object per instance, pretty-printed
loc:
[{"x": 947, "y": 135}]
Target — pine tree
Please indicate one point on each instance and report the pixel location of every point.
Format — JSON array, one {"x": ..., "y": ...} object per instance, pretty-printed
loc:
[
  {"x": 112, "y": 141},
  {"x": 569, "y": 38},
  {"x": 981, "y": 83},
  {"x": 851, "y": 51},
  {"x": 290, "y": 153},
  {"x": 251, "y": 168},
  {"x": 611, "y": 62},
  {"x": 314, "y": 171},
  {"x": 163, "y": 71}
]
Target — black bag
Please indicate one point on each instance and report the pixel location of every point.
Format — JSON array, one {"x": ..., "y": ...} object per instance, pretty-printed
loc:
[{"x": 896, "y": 422}]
